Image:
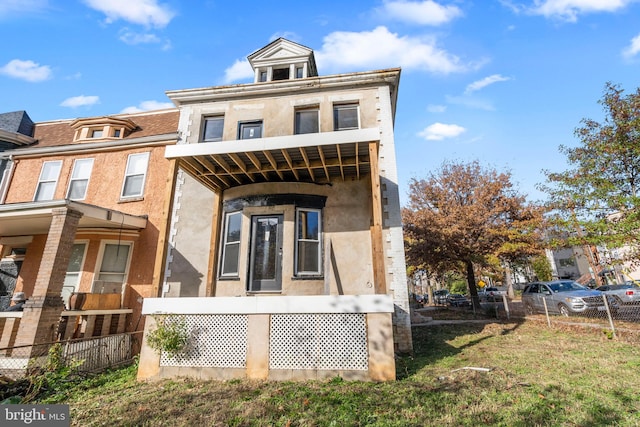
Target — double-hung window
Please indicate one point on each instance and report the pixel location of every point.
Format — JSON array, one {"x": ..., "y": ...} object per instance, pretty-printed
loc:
[
  {"x": 135, "y": 175},
  {"x": 345, "y": 116},
  {"x": 250, "y": 130},
  {"x": 79, "y": 179},
  {"x": 48, "y": 180},
  {"x": 308, "y": 251},
  {"x": 115, "y": 262},
  {"x": 306, "y": 121},
  {"x": 212, "y": 128},
  {"x": 231, "y": 245}
]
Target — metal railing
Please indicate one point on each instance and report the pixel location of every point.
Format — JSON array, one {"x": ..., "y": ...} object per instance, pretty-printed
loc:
[{"x": 87, "y": 355}]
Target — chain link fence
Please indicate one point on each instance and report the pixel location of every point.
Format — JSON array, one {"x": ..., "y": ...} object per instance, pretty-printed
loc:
[{"x": 606, "y": 314}]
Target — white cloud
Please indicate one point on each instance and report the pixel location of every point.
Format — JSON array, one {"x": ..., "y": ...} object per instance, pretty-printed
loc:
[
  {"x": 147, "y": 106},
  {"x": 10, "y": 7},
  {"x": 479, "y": 84},
  {"x": 470, "y": 102},
  {"x": 26, "y": 70},
  {"x": 240, "y": 70},
  {"x": 80, "y": 101},
  {"x": 569, "y": 10},
  {"x": 76, "y": 76},
  {"x": 633, "y": 49},
  {"x": 426, "y": 12},
  {"x": 380, "y": 48},
  {"x": 432, "y": 108},
  {"x": 440, "y": 131},
  {"x": 143, "y": 12},
  {"x": 130, "y": 37}
]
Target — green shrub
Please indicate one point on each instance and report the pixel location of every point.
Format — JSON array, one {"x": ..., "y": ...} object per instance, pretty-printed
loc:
[{"x": 170, "y": 335}]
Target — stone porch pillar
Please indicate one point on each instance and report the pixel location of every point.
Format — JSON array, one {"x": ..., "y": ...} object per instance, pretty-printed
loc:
[{"x": 41, "y": 313}]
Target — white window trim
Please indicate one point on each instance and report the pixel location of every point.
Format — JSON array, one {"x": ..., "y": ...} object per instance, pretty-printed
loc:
[
  {"x": 319, "y": 241},
  {"x": 224, "y": 246},
  {"x": 35, "y": 194},
  {"x": 346, "y": 105},
  {"x": 72, "y": 179},
  {"x": 99, "y": 259},
  {"x": 126, "y": 175}
]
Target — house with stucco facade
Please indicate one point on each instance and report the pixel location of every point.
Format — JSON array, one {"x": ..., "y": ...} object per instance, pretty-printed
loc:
[{"x": 284, "y": 256}]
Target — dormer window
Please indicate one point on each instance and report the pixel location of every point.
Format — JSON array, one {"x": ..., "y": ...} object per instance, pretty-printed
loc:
[
  {"x": 282, "y": 60},
  {"x": 104, "y": 128},
  {"x": 281, "y": 74}
]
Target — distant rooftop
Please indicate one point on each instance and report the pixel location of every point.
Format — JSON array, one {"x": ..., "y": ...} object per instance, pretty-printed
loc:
[{"x": 17, "y": 122}]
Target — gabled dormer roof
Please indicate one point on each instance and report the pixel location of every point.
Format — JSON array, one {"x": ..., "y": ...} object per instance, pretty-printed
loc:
[{"x": 283, "y": 53}]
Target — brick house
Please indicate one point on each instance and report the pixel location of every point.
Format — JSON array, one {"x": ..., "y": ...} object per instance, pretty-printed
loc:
[{"x": 83, "y": 214}]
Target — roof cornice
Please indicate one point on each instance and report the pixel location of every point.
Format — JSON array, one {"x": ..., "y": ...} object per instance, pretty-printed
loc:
[
  {"x": 388, "y": 77},
  {"x": 164, "y": 139},
  {"x": 16, "y": 138}
]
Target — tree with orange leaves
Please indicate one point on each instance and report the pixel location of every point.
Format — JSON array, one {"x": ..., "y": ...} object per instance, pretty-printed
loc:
[{"x": 462, "y": 215}]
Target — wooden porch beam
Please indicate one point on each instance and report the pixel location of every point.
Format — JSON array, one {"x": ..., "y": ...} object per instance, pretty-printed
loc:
[{"x": 377, "y": 249}]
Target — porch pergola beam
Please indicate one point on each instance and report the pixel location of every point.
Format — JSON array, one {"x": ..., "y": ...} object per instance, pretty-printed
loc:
[{"x": 379, "y": 278}]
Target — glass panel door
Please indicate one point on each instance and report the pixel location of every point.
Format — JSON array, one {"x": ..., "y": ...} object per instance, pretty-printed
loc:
[{"x": 265, "y": 268}]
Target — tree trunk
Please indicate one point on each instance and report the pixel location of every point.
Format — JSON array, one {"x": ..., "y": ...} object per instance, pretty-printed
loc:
[
  {"x": 471, "y": 281},
  {"x": 508, "y": 279}
]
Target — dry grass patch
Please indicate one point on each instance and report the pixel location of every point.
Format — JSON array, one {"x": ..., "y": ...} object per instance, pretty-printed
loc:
[{"x": 537, "y": 376}]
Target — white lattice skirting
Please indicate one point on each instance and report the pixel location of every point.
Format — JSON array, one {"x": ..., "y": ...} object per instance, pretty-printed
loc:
[
  {"x": 296, "y": 341},
  {"x": 318, "y": 341},
  {"x": 287, "y": 337},
  {"x": 217, "y": 341}
]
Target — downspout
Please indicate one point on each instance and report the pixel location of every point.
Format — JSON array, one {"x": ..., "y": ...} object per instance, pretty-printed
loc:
[{"x": 7, "y": 176}]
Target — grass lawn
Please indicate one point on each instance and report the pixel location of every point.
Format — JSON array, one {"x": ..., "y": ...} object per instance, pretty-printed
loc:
[{"x": 536, "y": 377}]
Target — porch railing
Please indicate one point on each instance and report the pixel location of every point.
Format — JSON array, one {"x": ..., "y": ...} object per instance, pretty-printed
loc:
[
  {"x": 87, "y": 354},
  {"x": 92, "y": 323}
]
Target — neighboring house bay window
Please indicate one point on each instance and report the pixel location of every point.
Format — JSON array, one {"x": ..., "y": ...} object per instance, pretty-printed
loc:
[
  {"x": 135, "y": 175},
  {"x": 79, "y": 179},
  {"x": 308, "y": 232},
  {"x": 48, "y": 180},
  {"x": 231, "y": 245}
]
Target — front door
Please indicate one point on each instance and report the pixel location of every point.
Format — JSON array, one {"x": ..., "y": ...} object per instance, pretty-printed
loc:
[{"x": 265, "y": 266}]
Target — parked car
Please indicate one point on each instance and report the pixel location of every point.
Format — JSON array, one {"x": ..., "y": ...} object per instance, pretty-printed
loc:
[
  {"x": 422, "y": 299},
  {"x": 565, "y": 297},
  {"x": 440, "y": 296},
  {"x": 491, "y": 294},
  {"x": 623, "y": 293},
  {"x": 458, "y": 300}
]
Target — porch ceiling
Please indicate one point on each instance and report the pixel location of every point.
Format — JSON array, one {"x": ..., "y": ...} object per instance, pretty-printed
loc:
[
  {"x": 31, "y": 218},
  {"x": 316, "y": 158}
]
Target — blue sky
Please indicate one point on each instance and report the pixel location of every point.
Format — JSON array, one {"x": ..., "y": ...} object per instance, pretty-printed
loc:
[{"x": 504, "y": 82}]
